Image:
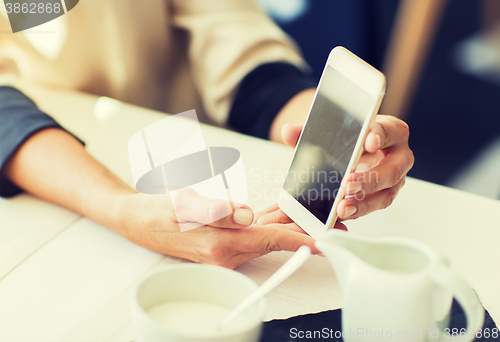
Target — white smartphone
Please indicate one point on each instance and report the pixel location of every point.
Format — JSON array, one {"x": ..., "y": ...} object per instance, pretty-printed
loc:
[{"x": 345, "y": 105}]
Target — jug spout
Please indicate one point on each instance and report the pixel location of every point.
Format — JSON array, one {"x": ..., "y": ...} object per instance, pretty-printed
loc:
[{"x": 337, "y": 246}]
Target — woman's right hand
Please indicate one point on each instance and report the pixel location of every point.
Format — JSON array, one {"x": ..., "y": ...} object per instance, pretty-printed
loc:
[{"x": 151, "y": 222}]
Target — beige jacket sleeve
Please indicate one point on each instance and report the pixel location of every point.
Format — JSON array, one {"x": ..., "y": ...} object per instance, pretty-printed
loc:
[{"x": 228, "y": 39}]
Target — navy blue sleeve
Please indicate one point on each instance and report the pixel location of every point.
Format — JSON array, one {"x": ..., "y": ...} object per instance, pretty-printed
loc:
[
  {"x": 262, "y": 94},
  {"x": 19, "y": 119}
]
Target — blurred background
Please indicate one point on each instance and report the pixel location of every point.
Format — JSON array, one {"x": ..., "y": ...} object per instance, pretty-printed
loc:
[{"x": 442, "y": 62}]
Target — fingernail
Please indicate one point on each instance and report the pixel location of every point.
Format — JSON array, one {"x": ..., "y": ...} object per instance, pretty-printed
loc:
[
  {"x": 243, "y": 217},
  {"x": 378, "y": 138},
  {"x": 353, "y": 187},
  {"x": 349, "y": 211}
]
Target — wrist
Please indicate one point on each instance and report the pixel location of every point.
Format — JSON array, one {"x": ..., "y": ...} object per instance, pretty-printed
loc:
[
  {"x": 125, "y": 205},
  {"x": 144, "y": 219}
]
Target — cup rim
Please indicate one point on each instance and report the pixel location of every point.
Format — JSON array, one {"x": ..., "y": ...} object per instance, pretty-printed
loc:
[{"x": 219, "y": 269}]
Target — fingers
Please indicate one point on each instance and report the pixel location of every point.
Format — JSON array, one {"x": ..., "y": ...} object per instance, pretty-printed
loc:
[
  {"x": 290, "y": 226},
  {"x": 192, "y": 208},
  {"x": 231, "y": 247},
  {"x": 369, "y": 160},
  {"x": 288, "y": 246},
  {"x": 267, "y": 210},
  {"x": 391, "y": 170},
  {"x": 386, "y": 132},
  {"x": 361, "y": 204},
  {"x": 340, "y": 226},
  {"x": 291, "y": 134},
  {"x": 296, "y": 228},
  {"x": 393, "y": 159},
  {"x": 278, "y": 239},
  {"x": 276, "y": 216},
  {"x": 385, "y": 163},
  {"x": 268, "y": 238}
]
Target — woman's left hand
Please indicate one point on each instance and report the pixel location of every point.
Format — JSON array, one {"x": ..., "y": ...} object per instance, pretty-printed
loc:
[{"x": 379, "y": 176}]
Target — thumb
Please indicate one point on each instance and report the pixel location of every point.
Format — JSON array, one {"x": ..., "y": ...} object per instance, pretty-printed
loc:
[
  {"x": 189, "y": 206},
  {"x": 290, "y": 134}
]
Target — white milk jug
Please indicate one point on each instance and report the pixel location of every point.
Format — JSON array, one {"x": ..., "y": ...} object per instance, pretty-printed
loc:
[{"x": 397, "y": 289}]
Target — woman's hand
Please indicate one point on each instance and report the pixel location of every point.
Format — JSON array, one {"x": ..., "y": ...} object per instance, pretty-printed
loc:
[
  {"x": 381, "y": 171},
  {"x": 151, "y": 221},
  {"x": 379, "y": 176}
]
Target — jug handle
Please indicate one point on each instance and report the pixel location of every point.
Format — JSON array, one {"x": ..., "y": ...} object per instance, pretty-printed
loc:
[{"x": 445, "y": 277}]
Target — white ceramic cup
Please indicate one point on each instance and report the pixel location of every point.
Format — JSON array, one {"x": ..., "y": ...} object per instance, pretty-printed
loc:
[{"x": 195, "y": 283}]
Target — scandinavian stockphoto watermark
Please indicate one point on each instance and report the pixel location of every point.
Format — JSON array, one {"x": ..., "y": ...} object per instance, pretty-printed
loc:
[
  {"x": 25, "y": 14},
  {"x": 307, "y": 185}
]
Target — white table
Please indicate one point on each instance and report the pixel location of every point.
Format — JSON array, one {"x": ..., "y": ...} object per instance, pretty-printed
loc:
[{"x": 64, "y": 277}]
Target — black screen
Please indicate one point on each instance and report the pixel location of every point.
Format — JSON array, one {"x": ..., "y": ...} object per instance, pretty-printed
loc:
[{"x": 327, "y": 143}]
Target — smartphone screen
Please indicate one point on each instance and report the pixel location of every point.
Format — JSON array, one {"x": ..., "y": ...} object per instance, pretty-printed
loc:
[{"x": 327, "y": 143}]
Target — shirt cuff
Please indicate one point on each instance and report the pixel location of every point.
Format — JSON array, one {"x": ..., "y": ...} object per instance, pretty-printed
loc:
[
  {"x": 262, "y": 94},
  {"x": 20, "y": 118}
]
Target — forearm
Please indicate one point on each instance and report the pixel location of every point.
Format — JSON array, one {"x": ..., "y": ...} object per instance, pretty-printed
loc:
[
  {"x": 294, "y": 112},
  {"x": 54, "y": 166}
]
